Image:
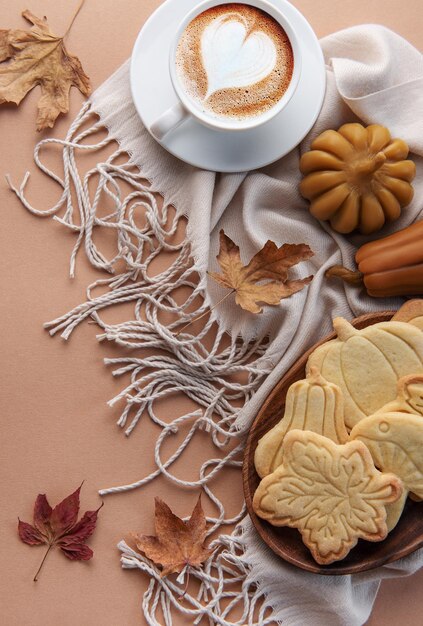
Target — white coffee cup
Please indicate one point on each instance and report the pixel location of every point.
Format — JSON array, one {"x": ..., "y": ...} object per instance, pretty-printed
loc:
[{"x": 185, "y": 108}]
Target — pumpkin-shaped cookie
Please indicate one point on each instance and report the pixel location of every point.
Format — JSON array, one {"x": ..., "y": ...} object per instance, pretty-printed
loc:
[
  {"x": 367, "y": 364},
  {"x": 312, "y": 404},
  {"x": 357, "y": 177}
]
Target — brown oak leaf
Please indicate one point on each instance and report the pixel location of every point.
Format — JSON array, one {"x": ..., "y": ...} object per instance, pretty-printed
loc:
[
  {"x": 60, "y": 527},
  {"x": 177, "y": 544},
  {"x": 39, "y": 57},
  {"x": 265, "y": 278}
]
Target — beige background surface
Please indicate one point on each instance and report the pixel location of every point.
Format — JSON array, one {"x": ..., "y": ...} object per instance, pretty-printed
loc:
[{"x": 56, "y": 429}]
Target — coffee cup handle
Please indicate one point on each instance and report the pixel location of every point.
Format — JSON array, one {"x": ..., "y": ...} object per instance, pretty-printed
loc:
[{"x": 170, "y": 120}]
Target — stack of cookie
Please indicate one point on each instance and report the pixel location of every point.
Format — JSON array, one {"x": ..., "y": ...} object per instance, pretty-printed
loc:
[{"x": 348, "y": 451}]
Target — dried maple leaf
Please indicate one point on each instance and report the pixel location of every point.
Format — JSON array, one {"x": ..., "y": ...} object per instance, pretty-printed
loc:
[
  {"x": 332, "y": 494},
  {"x": 59, "y": 527},
  {"x": 270, "y": 264},
  {"x": 177, "y": 544},
  {"x": 38, "y": 57}
]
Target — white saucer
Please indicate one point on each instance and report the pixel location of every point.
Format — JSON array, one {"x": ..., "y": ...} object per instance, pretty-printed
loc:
[{"x": 153, "y": 94}]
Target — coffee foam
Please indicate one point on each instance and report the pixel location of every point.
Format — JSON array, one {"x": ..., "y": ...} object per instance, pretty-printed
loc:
[
  {"x": 230, "y": 59},
  {"x": 234, "y": 60}
]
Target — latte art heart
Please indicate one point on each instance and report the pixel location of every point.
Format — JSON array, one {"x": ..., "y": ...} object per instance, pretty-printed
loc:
[
  {"x": 234, "y": 61},
  {"x": 232, "y": 57}
]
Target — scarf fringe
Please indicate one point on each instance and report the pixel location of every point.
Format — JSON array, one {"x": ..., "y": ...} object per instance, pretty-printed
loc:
[
  {"x": 218, "y": 599},
  {"x": 220, "y": 379}
]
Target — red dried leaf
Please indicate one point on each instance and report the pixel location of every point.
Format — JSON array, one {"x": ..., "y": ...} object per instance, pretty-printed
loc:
[
  {"x": 59, "y": 527},
  {"x": 84, "y": 528},
  {"x": 30, "y": 535},
  {"x": 42, "y": 514},
  {"x": 65, "y": 514},
  {"x": 76, "y": 551}
]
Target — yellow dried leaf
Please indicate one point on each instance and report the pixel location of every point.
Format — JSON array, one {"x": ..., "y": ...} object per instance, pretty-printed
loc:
[
  {"x": 270, "y": 264},
  {"x": 39, "y": 57}
]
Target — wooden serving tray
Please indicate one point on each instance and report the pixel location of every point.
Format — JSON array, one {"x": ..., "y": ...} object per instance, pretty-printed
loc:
[{"x": 286, "y": 542}]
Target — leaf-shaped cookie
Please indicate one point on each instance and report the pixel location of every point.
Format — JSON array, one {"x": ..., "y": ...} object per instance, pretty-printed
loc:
[
  {"x": 311, "y": 404},
  {"x": 395, "y": 441},
  {"x": 394, "y": 511},
  {"x": 332, "y": 493}
]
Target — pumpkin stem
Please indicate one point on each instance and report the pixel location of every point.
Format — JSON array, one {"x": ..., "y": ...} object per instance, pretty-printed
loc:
[
  {"x": 314, "y": 377},
  {"x": 369, "y": 166},
  {"x": 344, "y": 329},
  {"x": 348, "y": 276}
]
